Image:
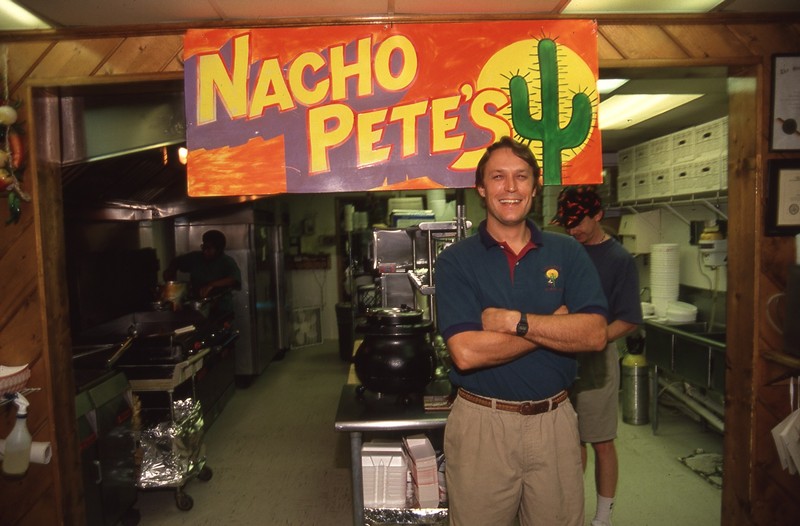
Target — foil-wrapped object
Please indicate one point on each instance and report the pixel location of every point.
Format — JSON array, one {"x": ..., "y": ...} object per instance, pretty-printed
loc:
[
  {"x": 402, "y": 516},
  {"x": 173, "y": 451}
]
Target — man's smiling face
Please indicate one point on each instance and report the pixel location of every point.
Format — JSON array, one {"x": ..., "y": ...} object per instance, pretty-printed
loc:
[{"x": 508, "y": 188}]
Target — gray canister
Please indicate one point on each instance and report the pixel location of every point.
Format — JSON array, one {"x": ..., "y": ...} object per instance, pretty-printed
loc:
[{"x": 635, "y": 389}]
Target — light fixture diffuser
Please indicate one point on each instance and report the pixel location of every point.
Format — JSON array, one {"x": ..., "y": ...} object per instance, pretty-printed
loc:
[
  {"x": 606, "y": 86},
  {"x": 637, "y": 6},
  {"x": 623, "y": 111},
  {"x": 14, "y": 17}
]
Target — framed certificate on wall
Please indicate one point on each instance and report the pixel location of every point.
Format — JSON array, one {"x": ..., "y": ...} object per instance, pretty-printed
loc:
[
  {"x": 783, "y": 197},
  {"x": 785, "y": 116}
]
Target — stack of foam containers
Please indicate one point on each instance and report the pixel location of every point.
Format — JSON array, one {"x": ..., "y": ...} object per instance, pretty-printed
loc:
[
  {"x": 424, "y": 474},
  {"x": 384, "y": 471},
  {"x": 664, "y": 276}
]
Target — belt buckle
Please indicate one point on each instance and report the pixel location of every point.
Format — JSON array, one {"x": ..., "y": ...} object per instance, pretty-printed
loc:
[{"x": 528, "y": 408}]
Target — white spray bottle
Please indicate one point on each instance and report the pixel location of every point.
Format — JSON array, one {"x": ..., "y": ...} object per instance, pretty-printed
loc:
[{"x": 17, "y": 455}]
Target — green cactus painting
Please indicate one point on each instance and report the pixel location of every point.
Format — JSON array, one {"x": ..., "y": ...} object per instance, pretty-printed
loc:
[{"x": 547, "y": 129}]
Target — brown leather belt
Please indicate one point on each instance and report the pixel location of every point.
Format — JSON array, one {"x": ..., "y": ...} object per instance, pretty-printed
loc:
[{"x": 524, "y": 408}]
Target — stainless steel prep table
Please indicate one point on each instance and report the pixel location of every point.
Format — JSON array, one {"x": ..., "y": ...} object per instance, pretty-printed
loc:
[{"x": 356, "y": 416}]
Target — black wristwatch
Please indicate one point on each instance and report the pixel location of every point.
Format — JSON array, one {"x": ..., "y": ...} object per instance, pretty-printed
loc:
[{"x": 522, "y": 326}]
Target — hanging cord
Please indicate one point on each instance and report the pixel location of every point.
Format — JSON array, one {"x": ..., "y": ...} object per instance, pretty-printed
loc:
[
  {"x": 770, "y": 301},
  {"x": 714, "y": 298}
]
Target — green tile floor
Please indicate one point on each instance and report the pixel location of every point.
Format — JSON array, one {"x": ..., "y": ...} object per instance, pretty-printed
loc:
[{"x": 277, "y": 460}]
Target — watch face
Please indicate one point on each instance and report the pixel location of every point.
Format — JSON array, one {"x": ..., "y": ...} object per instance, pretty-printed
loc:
[{"x": 522, "y": 326}]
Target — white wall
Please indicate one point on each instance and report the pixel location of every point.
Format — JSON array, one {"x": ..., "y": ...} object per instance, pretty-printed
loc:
[{"x": 312, "y": 288}]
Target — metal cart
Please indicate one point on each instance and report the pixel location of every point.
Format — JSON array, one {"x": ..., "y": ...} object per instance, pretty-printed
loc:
[{"x": 173, "y": 451}]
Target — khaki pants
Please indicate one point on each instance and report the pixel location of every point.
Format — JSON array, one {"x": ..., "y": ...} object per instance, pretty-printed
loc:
[{"x": 500, "y": 465}]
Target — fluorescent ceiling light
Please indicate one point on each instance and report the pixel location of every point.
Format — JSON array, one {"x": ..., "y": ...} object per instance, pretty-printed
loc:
[
  {"x": 623, "y": 111},
  {"x": 637, "y": 6},
  {"x": 606, "y": 86},
  {"x": 14, "y": 17}
]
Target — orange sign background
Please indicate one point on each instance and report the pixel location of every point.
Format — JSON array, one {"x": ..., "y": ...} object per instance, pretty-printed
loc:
[{"x": 412, "y": 106}]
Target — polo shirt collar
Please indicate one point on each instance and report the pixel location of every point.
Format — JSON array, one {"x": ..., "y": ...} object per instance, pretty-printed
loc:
[{"x": 488, "y": 241}]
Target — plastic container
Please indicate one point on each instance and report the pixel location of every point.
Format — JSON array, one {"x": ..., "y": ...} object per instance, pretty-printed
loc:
[
  {"x": 635, "y": 389},
  {"x": 17, "y": 454}
]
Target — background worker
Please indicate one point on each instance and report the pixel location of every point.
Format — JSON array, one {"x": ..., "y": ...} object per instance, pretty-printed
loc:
[
  {"x": 211, "y": 271},
  {"x": 511, "y": 438},
  {"x": 596, "y": 392}
]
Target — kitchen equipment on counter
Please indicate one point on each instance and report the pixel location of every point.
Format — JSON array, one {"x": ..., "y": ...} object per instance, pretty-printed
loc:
[
  {"x": 713, "y": 246},
  {"x": 156, "y": 347},
  {"x": 175, "y": 292},
  {"x": 396, "y": 356}
]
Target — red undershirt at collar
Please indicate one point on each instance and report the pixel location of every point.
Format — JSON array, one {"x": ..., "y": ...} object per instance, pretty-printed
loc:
[{"x": 514, "y": 258}]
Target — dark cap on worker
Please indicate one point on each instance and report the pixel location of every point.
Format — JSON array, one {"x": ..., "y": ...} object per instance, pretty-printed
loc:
[{"x": 575, "y": 203}]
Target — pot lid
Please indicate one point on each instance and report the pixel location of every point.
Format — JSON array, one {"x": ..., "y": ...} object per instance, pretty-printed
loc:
[{"x": 403, "y": 315}]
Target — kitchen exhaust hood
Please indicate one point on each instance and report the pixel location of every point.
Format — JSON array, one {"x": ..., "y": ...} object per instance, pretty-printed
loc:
[{"x": 119, "y": 152}]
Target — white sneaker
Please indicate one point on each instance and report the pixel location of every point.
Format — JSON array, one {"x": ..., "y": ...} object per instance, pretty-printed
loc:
[{"x": 596, "y": 522}]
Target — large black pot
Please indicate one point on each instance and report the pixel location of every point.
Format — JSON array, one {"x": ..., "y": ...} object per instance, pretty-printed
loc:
[{"x": 396, "y": 356}]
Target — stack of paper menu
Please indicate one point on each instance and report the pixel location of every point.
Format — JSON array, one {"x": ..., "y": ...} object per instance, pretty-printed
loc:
[
  {"x": 425, "y": 476},
  {"x": 787, "y": 441}
]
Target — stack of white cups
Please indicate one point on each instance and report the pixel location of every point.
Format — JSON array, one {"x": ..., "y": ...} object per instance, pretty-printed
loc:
[{"x": 664, "y": 275}]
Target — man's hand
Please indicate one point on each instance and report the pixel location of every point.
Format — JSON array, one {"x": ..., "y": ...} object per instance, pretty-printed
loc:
[
  {"x": 500, "y": 320},
  {"x": 205, "y": 291}
]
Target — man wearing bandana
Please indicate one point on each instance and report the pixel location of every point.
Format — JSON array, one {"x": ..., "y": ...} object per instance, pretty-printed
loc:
[{"x": 595, "y": 393}]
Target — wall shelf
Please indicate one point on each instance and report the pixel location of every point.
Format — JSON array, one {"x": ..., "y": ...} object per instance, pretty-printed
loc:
[{"x": 710, "y": 200}]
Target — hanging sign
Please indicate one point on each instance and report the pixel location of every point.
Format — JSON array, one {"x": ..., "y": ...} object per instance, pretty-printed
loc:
[{"x": 398, "y": 107}]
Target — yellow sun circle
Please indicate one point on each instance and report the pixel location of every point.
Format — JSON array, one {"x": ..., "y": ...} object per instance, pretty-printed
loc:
[{"x": 521, "y": 58}]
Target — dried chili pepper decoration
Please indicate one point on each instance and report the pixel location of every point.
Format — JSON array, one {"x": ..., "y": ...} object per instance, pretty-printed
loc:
[{"x": 12, "y": 153}]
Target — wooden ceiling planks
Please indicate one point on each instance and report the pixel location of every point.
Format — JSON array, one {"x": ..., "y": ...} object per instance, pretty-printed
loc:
[
  {"x": 643, "y": 42},
  {"x": 146, "y": 54},
  {"x": 75, "y": 58},
  {"x": 707, "y": 41}
]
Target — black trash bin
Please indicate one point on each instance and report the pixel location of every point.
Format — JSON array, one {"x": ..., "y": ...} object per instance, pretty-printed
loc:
[{"x": 346, "y": 322}]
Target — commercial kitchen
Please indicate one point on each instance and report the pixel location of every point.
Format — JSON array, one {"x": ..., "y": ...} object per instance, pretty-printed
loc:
[{"x": 84, "y": 266}]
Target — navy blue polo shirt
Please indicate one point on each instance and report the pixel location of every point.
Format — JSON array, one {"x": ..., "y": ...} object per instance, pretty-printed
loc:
[{"x": 474, "y": 274}]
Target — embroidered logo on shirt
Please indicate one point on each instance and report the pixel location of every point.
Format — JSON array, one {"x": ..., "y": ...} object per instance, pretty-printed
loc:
[{"x": 552, "y": 276}]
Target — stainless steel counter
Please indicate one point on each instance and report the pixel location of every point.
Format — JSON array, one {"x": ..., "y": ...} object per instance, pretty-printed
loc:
[
  {"x": 687, "y": 352},
  {"x": 358, "y": 414}
]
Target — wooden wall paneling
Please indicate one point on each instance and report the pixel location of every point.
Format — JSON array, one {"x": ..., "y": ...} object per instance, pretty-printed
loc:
[
  {"x": 21, "y": 497},
  {"x": 22, "y": 58},
  {"x": 771, "y": 483},
  {"x": 643, "y": 41},
  {"x": 708, "y": 40},
  {"x": 50, "y": 253},
  {"x": 40, "y": 515},
  {"x": 743, "y": 120},
  {"x": 606, "y": 49},
  {"x": 766, "y": 39},
  {"x": 20, "y": 328},
  {"x": 75, "y": 58},
  {"x": 145, "y": 54}
]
